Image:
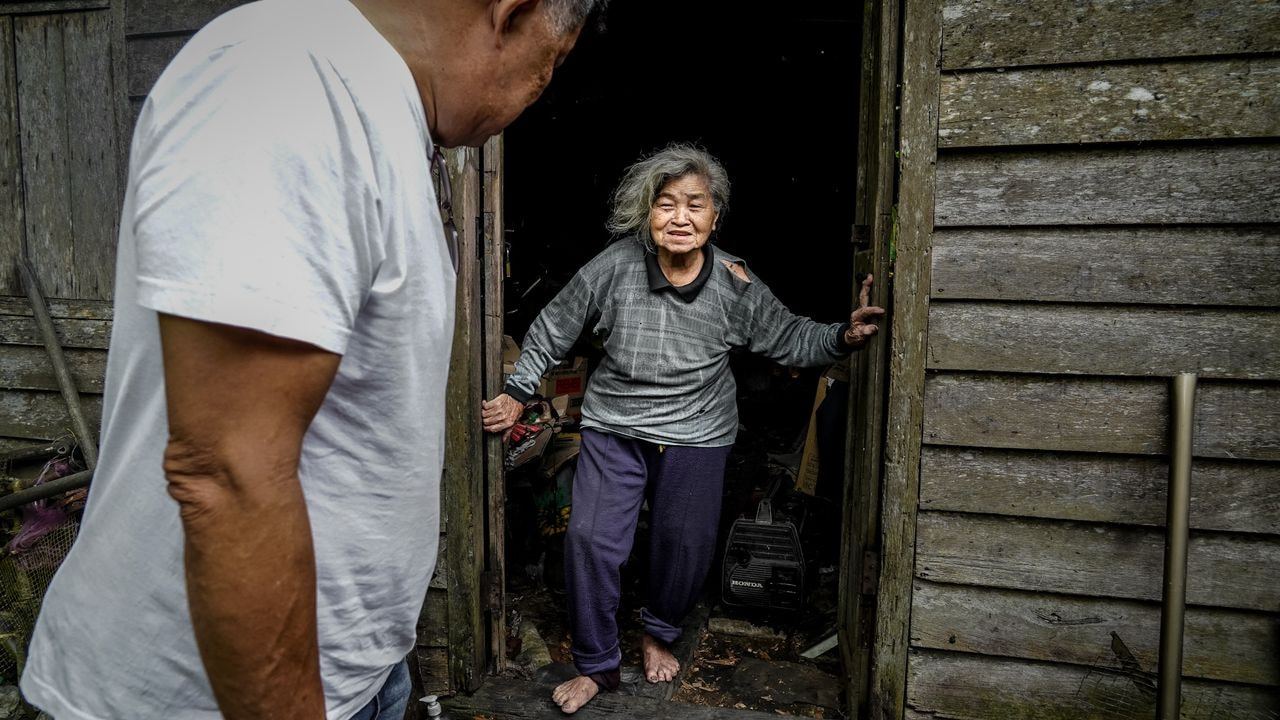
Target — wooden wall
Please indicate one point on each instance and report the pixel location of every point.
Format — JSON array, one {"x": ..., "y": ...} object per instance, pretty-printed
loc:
[{"x": 1106, "y": 205}]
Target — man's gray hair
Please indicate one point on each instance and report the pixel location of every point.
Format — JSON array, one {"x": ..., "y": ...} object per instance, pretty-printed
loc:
[
  {"x": 644, "y": 180},
  {"x": 569, "y": 15}
]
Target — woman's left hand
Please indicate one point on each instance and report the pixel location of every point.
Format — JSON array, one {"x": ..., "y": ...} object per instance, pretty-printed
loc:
[{"x": 864, "y": 322}]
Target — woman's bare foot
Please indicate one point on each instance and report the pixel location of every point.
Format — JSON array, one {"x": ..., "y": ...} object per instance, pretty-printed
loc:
[
  {"x": 572, "y": 695},
  {"x": 659, "y": 664}
]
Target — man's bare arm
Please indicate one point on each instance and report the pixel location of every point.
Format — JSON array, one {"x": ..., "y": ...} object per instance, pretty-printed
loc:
[{"x": 239, "y": 404}]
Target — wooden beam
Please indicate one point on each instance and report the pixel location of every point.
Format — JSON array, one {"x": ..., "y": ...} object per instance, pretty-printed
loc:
[
  {"x": 1233, "y": 420},
  {"x": 1104, "y": 340},
  {"x": 1161, "y": 185},
  {"x": 1227, "y": 265},
  {"x": 1005, "y": 33},
  {"x": 860, "y": 527},
  {"x": 58, "y": 309},
  {"x": 1224, "y": 570},
  {"x": 463, "y": 486},
  {"x": 917, "y": 148},
  {"x": 1231, "y": 495},
  {"x": 494, "y": 276},
  {"x": 1199, "y": 99},
  {"x": 973, "y": 687},
  {"x": 12, "y": 206},
  {"x": 1229, "y": 645},
  {"x": 522, "y": 700}
]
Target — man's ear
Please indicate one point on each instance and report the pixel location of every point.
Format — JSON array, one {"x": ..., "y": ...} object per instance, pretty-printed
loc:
[{"x": 512, "y": 16}]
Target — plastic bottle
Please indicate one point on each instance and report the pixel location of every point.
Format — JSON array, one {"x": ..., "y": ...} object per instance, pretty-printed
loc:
[{"x": 433, "y": 707}]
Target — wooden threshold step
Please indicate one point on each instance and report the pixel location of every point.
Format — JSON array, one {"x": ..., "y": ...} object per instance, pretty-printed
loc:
[{"x": 506, "y": 698}]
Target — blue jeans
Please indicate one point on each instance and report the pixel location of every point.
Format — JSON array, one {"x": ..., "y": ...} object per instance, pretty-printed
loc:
[{"x": 392, "y": 700}]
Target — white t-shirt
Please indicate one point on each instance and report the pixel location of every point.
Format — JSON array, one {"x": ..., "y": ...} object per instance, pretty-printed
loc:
[{"x": 280, "y": 181}]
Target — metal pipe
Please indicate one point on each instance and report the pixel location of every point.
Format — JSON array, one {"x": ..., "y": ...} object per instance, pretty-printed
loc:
[
  {"x": 64, "y": 484},
  {"x": 88, "y": 444},
  {"x": 1177, "y": 528}
]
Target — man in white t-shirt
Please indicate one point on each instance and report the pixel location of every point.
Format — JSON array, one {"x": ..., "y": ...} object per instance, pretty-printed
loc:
[{"x": 262, "y": 524}]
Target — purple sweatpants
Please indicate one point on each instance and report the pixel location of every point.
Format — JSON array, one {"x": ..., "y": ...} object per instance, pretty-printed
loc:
[{"x": 614, "y": 477}]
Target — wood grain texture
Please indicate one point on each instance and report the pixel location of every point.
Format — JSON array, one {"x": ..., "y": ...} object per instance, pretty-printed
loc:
[
  {"x": 511, "y": 699},
  {"x": 1223, "y": 570},
  {"x": 1238, "y": 421},
  {"x": 877, "y": 123},
  {"x": 43, "y": 415},
  {"x": 58, "y": 309},
  {"x": 1147, "y": 265},
  {"x": 1208, "y": 99},
  {"x": 69, "y": 151},
  {"x": 917, "y": 152},
  {"x": 1228, "y": 645},
  {"x": 1004, "y": 33},
  {"x": 1104, "y": 340},
  {"x": 493, "y": 270},
  {"x": 147, "y": 57},
  {"x": 28, "y": 368},
  {"x": 1225, "y": 495},
  {"x": 433, "y": 669},
  {"x": 1194, "y": 184},
  {"x": 433, "y": 622},
  {"x": 166, "y": 16},
  {"x": 973, "y": 687},
  {"x": 463, "y": 483},
  {"x": 92, "y": 334},
  {"x": 37, "y": 7},
  {"x": 12, "y": 226}
]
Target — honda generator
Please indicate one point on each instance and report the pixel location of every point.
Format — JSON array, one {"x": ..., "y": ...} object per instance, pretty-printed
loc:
[{"x": 764, "y": 562}]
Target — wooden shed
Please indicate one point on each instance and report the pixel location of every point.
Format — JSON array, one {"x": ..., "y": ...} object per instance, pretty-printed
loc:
[{"x": 1075, "y": 200}]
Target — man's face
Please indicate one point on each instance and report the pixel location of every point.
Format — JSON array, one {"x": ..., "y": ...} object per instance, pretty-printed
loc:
[{"x": 507, "y": 77}]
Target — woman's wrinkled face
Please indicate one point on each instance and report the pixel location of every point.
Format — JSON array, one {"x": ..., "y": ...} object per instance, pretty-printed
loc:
[{"x": 683, "y": 215}]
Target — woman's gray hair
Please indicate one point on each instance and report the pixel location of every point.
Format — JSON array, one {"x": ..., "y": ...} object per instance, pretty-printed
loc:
[
  {"x": 568, "y": 15},
  {"x": 644, "y": 180}
]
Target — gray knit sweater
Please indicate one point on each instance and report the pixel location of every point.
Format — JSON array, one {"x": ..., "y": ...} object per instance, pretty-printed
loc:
[{"x": 665, "y": 377}]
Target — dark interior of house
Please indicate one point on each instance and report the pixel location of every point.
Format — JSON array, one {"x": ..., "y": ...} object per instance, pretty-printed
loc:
[{"x": 772, "y": 94}]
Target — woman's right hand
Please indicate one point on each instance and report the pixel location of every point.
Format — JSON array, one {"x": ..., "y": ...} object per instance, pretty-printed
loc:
[{"x": 500, "y": 413}]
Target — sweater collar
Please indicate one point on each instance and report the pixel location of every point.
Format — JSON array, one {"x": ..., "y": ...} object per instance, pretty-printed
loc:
[{"x": 688, "y": 292}]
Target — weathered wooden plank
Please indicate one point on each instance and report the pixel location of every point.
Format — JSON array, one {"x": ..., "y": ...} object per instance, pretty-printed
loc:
[
  {"x": 91, "y": 334},
  {"x": 147, "y": 58},
  {"x": 493, "y": 271},
  {"x": 1232, "y": 570},
  {"x": 433, "y": 669},
  {"x": 1240, "y": 421},
  {"x": 58, "y": 309},
  {"x": 92, "y": 163},
  {"x": 51, "y": 6},
  {"x": 463, "y": 483},
  {"x": 28, "y": 368},
  {"x": 876, "y": 185},
  {"x": 1004, "y": 33},
  {"x": 1112, "y": 103},
  {"x": 69, "y": 152},
  {"x": 1158, "y": 265},
  {"x": 1161, "y": 185},
  {"x": 1104, "y": 340},
  {"x": 42, "y": 415},
  {"x": 522, "y": 700},
  {"x": 917, "y": 153},
  {"x": 440, "y": 580},
  {"x": 1237, "y": 496},
  {"x": 973, "y": 687},
  {"x": 165, "y": 16},
  {"x": 1231, "y": 645},
  {"x": 433, "y": 622},
  {"x": 11, "y": 203}
]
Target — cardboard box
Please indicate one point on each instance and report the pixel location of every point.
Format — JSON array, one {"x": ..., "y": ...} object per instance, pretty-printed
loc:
[
  {"x": 568, "y": 379},
  {"x": 807, "y": 475},
  {"x": 510, "y": 354}
]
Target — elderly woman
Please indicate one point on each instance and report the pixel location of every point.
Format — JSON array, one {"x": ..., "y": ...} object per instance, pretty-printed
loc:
[{"x": 660, "y": 413}]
